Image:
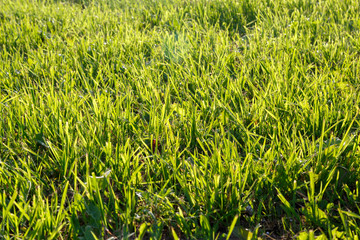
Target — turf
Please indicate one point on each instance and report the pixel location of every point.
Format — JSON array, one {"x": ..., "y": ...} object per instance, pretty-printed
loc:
[{"x": 174, "y": 119}]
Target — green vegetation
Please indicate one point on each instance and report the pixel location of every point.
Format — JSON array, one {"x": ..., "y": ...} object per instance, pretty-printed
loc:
[{"x": 179, "y": 119}]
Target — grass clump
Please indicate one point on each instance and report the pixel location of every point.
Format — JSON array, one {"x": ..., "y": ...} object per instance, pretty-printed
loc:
[{"x": 179, "y": 119}]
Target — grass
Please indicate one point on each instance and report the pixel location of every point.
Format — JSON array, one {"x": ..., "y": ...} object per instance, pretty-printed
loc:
[{"x": 179, "y": 119}]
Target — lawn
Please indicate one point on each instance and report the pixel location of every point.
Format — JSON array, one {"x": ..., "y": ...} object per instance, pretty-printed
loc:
[{"x": 174, "y": 119}]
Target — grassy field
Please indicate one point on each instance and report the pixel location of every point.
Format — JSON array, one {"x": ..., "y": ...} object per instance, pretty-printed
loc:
[{"x": 174, "y": 119}]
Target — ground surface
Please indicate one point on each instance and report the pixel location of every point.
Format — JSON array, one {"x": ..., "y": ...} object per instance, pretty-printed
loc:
[{"x": 179, "y": 119}]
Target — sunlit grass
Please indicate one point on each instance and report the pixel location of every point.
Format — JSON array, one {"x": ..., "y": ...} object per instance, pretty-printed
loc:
[{"x": 179, "y": 119}]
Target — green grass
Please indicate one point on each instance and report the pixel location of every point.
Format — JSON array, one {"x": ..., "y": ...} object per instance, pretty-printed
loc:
[{"x": 179, "y": 119}]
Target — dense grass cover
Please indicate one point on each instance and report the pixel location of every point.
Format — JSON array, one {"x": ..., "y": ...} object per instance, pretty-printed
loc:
[{"x": 179, "y": 119}]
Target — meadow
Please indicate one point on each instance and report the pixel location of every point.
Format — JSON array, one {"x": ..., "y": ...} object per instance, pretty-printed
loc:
[{"x": 174, "y": 119}]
